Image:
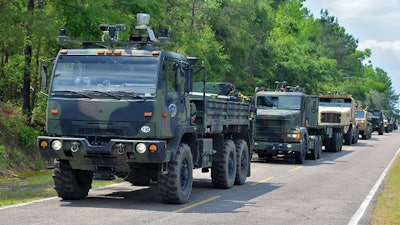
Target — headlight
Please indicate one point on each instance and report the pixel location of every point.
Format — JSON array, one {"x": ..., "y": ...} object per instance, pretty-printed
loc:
[
  {"x": 294, "y": 135},
  {"x": 56, "y": 145},
  {"x": 141, "y": 148}
]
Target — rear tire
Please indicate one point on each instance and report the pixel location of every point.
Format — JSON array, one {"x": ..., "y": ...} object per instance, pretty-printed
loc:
[
  {"x": 223, "y": 169},
  {"x": 176, "y": 185},
  {"x": 71, "y": 184},
  {"x": 242, "y": 167}
]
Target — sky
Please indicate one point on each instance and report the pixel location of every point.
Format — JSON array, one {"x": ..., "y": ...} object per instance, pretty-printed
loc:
[{"x": 374, "y": 23}]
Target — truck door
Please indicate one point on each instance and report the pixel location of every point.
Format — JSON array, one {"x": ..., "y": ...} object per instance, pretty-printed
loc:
[{"x": 176, "y": 102}]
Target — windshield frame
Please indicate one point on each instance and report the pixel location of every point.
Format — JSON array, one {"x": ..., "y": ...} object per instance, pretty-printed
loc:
[
  {"x": 287, "y": 102},
  {"x": 105, "y": 74}
]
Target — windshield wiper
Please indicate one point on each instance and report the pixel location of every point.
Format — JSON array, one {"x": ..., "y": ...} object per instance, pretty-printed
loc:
[
  {"x": 104, "y": 93},
  {"x": 80, "y": 94},
  {"x": 127, "y": 93}
]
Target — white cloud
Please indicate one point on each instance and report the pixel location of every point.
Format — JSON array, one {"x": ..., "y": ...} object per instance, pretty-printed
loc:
[
  {"x": 375, "y": 23},
  {"x": 376, "y": 11},
  {"x": 383, "y": 45}
]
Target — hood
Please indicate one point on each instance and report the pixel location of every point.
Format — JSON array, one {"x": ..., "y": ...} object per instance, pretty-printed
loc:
[{"x": 101, "y": 118}]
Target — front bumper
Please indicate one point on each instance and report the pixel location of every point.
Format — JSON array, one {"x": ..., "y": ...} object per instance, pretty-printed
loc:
[
  {"x": 276, "y": 148},
  {"x": 116, "y": 153}
]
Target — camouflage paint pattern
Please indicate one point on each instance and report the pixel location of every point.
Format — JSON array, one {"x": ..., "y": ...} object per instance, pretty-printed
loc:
[
  {"x": 274, "y": 125},
  {"x": 102, "y": 130}
]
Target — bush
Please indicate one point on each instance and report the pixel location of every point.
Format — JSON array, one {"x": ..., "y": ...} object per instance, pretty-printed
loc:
[{"x": 18, "y": 150}]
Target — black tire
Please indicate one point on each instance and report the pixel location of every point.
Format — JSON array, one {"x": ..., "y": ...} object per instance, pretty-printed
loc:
[
  {"x": 348, "y": 138},
  {"x": 337, "y": 141},
  {"x": 176, "y": 185},
  {"x": 328, "y": 144},
  {"x": 71, "y": 184},
  {"x": 365, "y": 135},
  {"x": 317, "y": 151},
  {"x": 243, "y": 158},
  {"x": 300, "y": 157},
  {"x": 381, "y": 130},
  {"x": 369, "y": 132},
  {"x": 356, "y": 136},
  {"x": 223, "y": 169}
]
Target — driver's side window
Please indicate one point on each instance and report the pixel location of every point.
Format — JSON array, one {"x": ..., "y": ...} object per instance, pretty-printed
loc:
[{"x": 172, "y": 76}]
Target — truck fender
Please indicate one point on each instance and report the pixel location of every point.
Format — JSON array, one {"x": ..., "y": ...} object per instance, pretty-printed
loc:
[{"x": 184, "y": 134}]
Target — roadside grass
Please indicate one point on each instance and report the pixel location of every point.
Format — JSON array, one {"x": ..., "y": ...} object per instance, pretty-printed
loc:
[
  {"x": 33, "y": 186},
  {"x": 387, "y": 209}
]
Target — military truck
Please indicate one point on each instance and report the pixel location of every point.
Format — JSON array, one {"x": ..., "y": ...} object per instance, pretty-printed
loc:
[
  {"x": 364, "y": 120},
  {"x": 387, "y": 124},
  {"x": 340, "y": 109},
  {"x": 286, "y": 125},
  {"x": 131, "y": 112},
  {"x": 377, "y": 121}
]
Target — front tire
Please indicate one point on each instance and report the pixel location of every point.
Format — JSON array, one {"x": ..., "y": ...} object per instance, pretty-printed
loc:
[
  {"x": 223, "y": 169},
  {"x": 300, "y": 157},
  {"x": 71, "y": 184},
  {"x": 176, "y": 185},
  {"x": 348, "y": 138}
]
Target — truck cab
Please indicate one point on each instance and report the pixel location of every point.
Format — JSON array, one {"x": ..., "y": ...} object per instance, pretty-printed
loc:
[{"x": 340, "y": 109}]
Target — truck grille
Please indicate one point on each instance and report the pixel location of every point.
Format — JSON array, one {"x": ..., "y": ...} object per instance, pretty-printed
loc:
[
  {"x": 330, "y": 117},
  {"x": 269, "y": 130}
]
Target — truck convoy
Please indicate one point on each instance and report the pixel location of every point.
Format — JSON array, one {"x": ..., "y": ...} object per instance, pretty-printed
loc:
[
  {"x": 340, "y": 109},
  {"x": 132, "y": 112},
  {"x": 287, "y": 125}
]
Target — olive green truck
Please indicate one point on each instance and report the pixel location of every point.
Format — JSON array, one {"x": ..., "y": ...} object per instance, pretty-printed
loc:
[
  {"x": 288, "y": 125},
  {"x": 135, "y": 113}
]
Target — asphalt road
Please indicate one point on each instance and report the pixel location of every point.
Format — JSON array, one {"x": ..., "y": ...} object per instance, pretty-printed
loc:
[{"x": 337, "y": 189}]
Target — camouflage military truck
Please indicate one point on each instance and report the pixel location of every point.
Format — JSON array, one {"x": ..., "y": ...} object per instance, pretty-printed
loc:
[
  {"x": 377, "y": 121},
  {"x": 286, "y": 125},
  {"x": 131, "y": 112},
  {"x": 364, "y": 119},
  {"x": 340, "y": 109}
]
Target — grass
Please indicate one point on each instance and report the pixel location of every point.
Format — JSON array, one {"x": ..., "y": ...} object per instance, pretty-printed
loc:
[
  {"x": 33, "y": 186},
  {"x": 387, "y": 209}
]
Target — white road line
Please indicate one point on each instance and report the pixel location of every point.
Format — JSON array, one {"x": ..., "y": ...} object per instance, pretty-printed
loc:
[{"x": 364, "y": 205}]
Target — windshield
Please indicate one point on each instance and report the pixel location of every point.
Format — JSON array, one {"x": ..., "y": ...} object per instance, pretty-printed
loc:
[
  {"x": 360, "y": 114},
  {"x": 279, "y": 102},
  {"x": 105, "y": 74},
  {"x": 335, "y": 102}
]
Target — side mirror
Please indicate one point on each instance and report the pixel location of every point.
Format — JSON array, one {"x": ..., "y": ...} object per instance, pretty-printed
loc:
[
  {"x": 188, "y": 81},
  {"x": 43, "y": 74}
]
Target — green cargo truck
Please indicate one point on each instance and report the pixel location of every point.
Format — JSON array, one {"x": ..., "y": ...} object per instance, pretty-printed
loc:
[
  {"x": 131, "y": 112},
  {"x": 286, "y": 125}
]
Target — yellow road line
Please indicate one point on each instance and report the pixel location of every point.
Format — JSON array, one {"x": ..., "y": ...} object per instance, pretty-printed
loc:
[
  {"x": 196, "y": 204},
  {"x": 296, "y": 168},
  {"x": 263, "y": 180}
]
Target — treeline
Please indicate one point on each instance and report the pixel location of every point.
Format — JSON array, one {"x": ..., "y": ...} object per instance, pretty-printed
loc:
[{"x": 248, "y": 42}]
